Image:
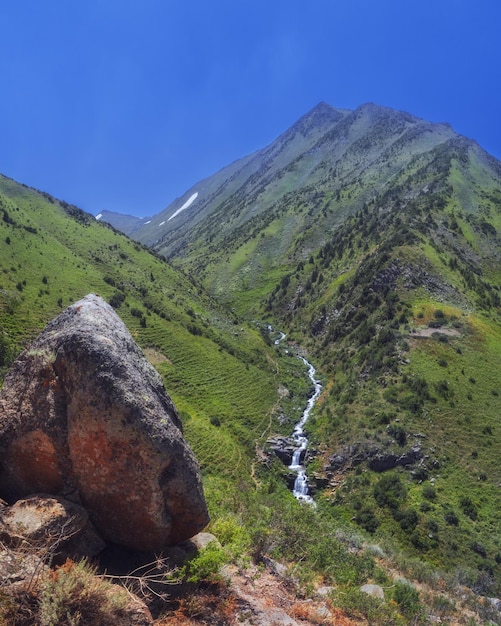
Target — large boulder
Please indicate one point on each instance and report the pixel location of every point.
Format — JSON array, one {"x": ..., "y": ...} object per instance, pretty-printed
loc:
[{"x": 83, "y": 414}]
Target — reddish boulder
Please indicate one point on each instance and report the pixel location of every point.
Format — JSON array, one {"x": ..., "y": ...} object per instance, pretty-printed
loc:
[{"x": 84, "y": 414}]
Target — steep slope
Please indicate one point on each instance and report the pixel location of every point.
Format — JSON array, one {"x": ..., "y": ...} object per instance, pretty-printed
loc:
[
  {"x": 219, "y": 371},
  {"x": 371, "y": 237},
  {"x": 270, "y": 209},
  {"x": 169, "y": 230},
  {"x": 401, "y": 308}
]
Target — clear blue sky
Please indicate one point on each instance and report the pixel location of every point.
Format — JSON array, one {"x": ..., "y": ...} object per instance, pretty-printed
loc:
[{"x": 124, "y": 104}]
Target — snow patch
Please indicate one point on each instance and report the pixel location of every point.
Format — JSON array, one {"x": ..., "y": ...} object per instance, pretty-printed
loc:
[
  {"x": 188, "y": 203},
  {"x": 99, "y": 216},
  {"x": 162, "y": 223},
  {"x": 148, "y": 222}
]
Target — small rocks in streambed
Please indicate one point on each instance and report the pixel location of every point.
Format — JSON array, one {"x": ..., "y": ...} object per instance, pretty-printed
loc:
[
  {"x": 82, "y": 412},
  {"x": 283, "y": 448}
]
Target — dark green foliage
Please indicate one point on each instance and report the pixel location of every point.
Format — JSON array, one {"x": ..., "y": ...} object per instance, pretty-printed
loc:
[
  {"x": 366, "y": 518},
  {"x": 6, "y": 350},
  {"x": 390, "y": 491},
  {"x": 399, "y": 434},
  {"x": 117, "y": 299},
  {"x": 406, "y": 596},
  {"x": 468, "y": 507},
  {"x": 429, "y": 492},
  {"x": 407, "y": 518},
  {"x": 451, "y": 518}
]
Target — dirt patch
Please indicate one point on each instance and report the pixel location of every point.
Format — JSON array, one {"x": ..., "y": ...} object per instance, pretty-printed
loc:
[
  {"x": 429, "y": 332},
  {"x": 155, "y": 357}
]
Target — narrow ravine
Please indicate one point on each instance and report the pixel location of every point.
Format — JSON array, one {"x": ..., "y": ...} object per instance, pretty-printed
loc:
[{"x": 300, "y": 440}]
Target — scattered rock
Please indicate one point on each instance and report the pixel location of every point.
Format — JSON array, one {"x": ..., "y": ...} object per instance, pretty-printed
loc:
[
  {"x": 283, "y": 448},
  {"x": 83, "y": 414},
  {"x": 50, "y": 524},
  {"x": 325, "y": 591},
  {"x": 320, "y": 480},
  {"x": 377, "y": 458},
  {"x": 373, "y": 590},
  {"x": 199, "y": 542},
  {"x": 382, "y": 461},
  {"x": 19, "y": 568}
]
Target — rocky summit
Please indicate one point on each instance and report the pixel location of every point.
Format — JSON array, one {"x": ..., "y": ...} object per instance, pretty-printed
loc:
[{"x": 83, "y": 414}]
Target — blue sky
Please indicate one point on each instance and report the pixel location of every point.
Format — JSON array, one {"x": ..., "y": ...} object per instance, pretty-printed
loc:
[{"x": 125, "y": 104}]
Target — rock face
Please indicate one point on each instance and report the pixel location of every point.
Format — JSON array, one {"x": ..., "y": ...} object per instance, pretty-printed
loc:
[{"x": 83, "y": 414}]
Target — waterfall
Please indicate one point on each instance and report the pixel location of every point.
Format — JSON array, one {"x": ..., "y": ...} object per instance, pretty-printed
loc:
[{"x": 300, "y": 490}]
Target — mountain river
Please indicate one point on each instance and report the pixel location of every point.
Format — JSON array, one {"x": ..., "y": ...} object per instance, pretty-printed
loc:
[{"x": 300, "y": 490}]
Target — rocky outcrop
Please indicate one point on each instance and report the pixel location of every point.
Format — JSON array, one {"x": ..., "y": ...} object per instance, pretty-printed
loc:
[
  {"x": 283, "y": 448},
  {"x": 83, "y": 414},
  {"x": 377, "y": 458}
]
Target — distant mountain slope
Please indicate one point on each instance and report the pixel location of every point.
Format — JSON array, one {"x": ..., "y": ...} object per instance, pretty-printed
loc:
[
  {"x": 124, "y": 223},
  {"x": 291, "y": 194}
]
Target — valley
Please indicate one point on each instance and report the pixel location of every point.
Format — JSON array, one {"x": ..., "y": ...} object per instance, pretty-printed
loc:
[{"x": 371, "y": 239}]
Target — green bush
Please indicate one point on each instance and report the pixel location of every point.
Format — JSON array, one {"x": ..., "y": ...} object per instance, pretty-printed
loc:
[
  {"x": 390, "y": 492},
  {"x": 407, "y": 598},
  {"x": 468, "y": 507},
  {"x": 407, "y": 518},
  {"x": 367, "y": 519},
  {"x": 206, "y": 565},
  {"x": 429, "y": 492}
]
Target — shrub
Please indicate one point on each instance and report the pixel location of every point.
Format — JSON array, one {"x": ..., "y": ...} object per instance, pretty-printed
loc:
[
  {"x": 117, "y": 299},
  {"x": 468, "y": 507},
  {"x": 429, "y": 492},
  {"x": 73, "y": 594},
  {"x": 206, "y": 565},
  {"x": 367, "y": 519},
  {"x": 406, "y": 596},
  {"x": 399, "y": 434},
  {"x": 390, "y": 492},
  {"x": 451, "y": 518},
  {"x": 407, "y": 518}
]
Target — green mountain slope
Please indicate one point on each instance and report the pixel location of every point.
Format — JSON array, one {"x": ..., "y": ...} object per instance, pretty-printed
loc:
[
  {"x": 214, "y": 366},
  {"x": 372, "y": 238}
]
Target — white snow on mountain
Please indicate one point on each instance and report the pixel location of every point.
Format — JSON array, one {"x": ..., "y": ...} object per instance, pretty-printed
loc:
[{"x": 188, "y": 203}]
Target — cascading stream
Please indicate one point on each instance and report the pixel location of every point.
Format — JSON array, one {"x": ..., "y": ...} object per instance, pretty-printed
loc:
[{"x": 301, "y": 490}]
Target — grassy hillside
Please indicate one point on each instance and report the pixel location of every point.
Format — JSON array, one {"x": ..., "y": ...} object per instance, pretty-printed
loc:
[
  {"x": 221, "y": 373},
  {"x": 401, "y": 308}
]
